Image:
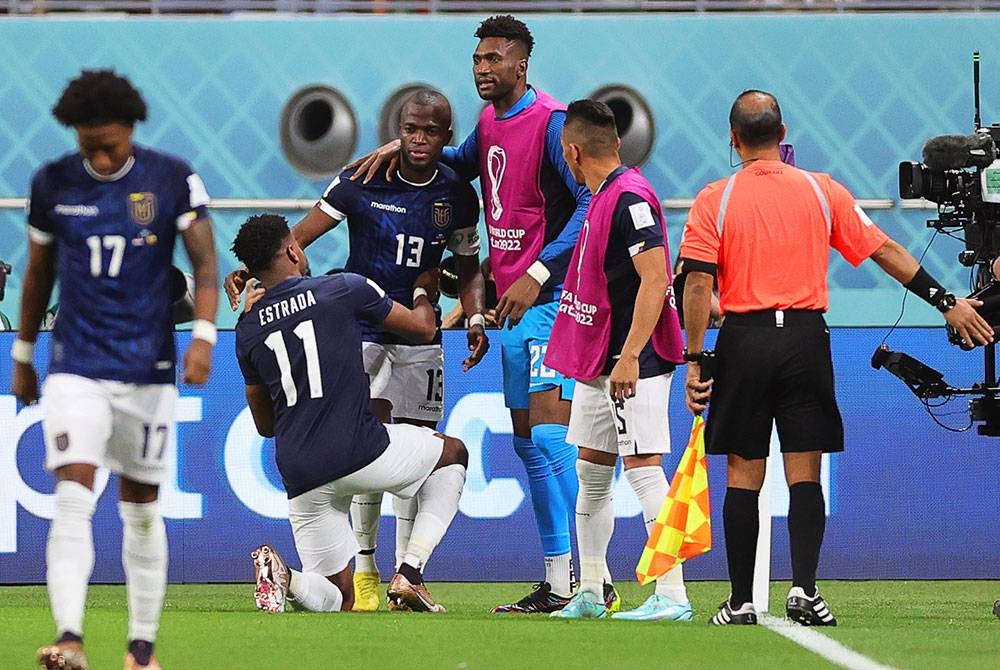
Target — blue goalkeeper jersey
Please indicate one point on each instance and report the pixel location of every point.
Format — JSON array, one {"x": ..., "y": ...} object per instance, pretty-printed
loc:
[
  {"x": 398, "y": 230},
  {"x": 114, "y": 243}
]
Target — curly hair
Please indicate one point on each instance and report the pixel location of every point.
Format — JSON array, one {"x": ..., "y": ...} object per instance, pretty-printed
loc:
[
  {"x": 259, "y": 240},
  {"x": 98, "y": 97},
  {"x": 508, "y": 27}
]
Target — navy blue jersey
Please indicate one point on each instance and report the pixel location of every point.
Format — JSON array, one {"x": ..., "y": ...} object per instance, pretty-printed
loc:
[
  {"x": 398, "y": 229},
  {"x": 303, "y": 341},
  {"x": 114, "y": 242},
  {"x": 634, "y": 229}
]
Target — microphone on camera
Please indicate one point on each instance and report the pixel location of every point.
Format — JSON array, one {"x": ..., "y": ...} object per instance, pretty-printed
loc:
[{"x": 954, "y": 152}]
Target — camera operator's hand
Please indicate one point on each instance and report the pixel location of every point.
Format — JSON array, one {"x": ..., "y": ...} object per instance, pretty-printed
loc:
[{"x": 968, "y": 323}]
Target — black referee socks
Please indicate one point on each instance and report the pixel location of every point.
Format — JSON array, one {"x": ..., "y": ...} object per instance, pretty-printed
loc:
[
  {"x": 806, "y": 525},
  {"x": 742, "y": 524}
]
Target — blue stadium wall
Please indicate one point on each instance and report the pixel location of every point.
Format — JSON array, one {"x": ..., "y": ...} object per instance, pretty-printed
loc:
[{"x": 859, "y": 93}]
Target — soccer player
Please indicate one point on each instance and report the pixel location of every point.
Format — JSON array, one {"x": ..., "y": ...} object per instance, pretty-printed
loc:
[
  {"x": 617, "y": 334},
  {"x": 103, "y": 221},
  {"x": 399, "y": 229},
  {"x": 299, "y": 348},
  {"x": 534, "y": 209}
]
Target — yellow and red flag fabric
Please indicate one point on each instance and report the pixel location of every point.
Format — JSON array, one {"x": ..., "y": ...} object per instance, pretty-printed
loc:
[{"x": 683, "y": 528}]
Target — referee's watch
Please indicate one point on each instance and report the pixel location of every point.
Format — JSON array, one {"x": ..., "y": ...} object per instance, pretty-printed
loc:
[
  {"x": 947, "y": 302},
  {"x": 692, "y": 358}
]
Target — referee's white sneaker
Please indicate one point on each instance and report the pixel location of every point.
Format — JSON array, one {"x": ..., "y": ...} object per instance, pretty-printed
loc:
[{"x": 808, "y": 611}]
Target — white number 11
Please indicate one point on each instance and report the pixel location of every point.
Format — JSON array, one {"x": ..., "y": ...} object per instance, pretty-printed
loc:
[{"x": 276, "y": 343}]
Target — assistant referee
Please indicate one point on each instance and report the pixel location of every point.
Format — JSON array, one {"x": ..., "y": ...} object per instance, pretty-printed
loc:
[{"x": 765, "y": 233}]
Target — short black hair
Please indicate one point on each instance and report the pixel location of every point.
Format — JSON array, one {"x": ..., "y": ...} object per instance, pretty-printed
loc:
[
  {"x": 428, "y": 97},
  {"x": 508, "y": 27},
  {"x": 259, "y": 240},
  {"x": 595, "y": 124},
  {"x": 98, "y": 97},
  {"x": 757, "y": 123}
]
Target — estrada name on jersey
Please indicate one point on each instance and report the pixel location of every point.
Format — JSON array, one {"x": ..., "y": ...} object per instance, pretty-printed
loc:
[
  {"x": 399, "y": 229},
  {"x": 114, "y": 240},
  {"x": 303, "y": 341}
]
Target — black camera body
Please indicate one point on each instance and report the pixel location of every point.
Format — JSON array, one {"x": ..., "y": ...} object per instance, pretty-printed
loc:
[{"x": 956, "y": 174}]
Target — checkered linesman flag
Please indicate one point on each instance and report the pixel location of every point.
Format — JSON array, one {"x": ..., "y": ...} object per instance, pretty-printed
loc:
[{"x": 683, "y": 528}]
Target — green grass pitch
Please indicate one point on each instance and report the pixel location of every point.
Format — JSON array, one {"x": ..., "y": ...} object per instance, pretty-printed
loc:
[{"x": 898, "y": 624}]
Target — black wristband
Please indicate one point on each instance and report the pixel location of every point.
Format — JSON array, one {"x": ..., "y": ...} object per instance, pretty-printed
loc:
[
  {"x": 925, "y": 287},
  {"x": 693, "y": 358}
]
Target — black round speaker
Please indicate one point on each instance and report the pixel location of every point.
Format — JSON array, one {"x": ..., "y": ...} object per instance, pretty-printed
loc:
[
  {"x": 634, "y": 119},
  {"x": 318, "y": 131}
]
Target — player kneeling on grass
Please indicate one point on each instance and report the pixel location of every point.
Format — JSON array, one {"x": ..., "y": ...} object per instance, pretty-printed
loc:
[{"x": 299, "y": 348}]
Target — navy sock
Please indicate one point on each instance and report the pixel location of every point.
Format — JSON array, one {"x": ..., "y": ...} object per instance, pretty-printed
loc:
[
  {"x": 806, "y": 525},
  {"x": 411, "y": 573},
  {"x": 141, "y": 650},
  {"x": 69, "y": 637},
  {"x": 742, "y": 524}
]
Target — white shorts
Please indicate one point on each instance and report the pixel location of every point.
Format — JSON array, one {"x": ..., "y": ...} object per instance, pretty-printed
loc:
[
  {"x": 637, "y": 426},
  {"x": 128, "y": 428},
  {"x": 320, "y": 518},
  {"x": 411, "y": 377}
]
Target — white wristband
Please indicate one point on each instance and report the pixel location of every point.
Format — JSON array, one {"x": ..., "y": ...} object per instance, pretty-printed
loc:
[
  {"x": 203, "y": 329},
  {"x": 417, "y": 292},
  {"x": 477, "y": 320},
  {"x": 539, "y": 272},
  {"x": 23, "y": 352}
]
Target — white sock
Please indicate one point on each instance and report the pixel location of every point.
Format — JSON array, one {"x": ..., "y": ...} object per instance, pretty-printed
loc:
[
  {"x": 557, "y": 569},
  {"x": 69, "y": 555},
  {"x": 144, "y": 556},
  {"x": 595, "y": 523},
  {"x": 437, "y": 503},
  {"x": 313, "y": 592},
  {"x": 650, "y": 486},
  {"x": 406, "y": 511},
  {"x": 366, "y": 511}
]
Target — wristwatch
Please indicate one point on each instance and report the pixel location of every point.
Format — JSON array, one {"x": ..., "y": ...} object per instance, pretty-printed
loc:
[
  {"x": 692, "y": 358},
  {"x": 946, "y": 303}
]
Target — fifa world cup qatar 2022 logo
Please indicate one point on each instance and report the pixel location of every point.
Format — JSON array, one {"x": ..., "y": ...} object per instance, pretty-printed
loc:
[{"x": 496, "y": 165}]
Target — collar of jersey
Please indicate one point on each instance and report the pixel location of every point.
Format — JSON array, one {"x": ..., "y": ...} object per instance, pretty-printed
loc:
[
  {"x": 413, "y": 183},
  {"x": 125, "y": 169},
  {"x": 529, "y": 97}
]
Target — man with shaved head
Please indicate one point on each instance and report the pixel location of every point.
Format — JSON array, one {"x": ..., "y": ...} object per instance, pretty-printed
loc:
[
  {"x": 766, "y": 234},
  {"x": 398, "y": 229}
]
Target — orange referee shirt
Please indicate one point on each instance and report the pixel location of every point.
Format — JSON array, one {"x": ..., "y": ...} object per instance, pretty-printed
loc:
[{"x": 769, "y": 229}]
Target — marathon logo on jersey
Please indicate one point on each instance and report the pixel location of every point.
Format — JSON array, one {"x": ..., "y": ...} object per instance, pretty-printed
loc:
[
  {"x": 442, "y": 213},
  {"x": 77, "y": 210},
  {"x": 395, "y": 209},
  {"x": 62, "y": 441},
  {"x": 142, "y": 208}
]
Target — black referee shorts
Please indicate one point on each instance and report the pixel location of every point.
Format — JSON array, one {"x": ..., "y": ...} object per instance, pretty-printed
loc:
[{"x": 766, "y": 373}]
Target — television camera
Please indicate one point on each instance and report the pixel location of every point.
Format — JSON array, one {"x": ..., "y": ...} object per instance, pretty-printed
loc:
[{"x": 961, "y": 174}]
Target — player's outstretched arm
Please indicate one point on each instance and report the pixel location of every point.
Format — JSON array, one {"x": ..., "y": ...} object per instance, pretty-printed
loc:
[
  {"x": 369, "y": 164},
  {"x": 261, "y": 408},
  {"x": 200, "y": 246},
  {"x": 900, "y": 264},
  {"x": 38, "y": 282},
  {"x": 472, "y": 293}
]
